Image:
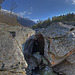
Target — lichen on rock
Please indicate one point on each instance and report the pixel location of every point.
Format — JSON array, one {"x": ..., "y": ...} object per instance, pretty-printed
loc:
[{"x": 12, "y": 60}]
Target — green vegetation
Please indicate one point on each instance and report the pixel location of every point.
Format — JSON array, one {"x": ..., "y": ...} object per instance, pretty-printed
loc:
[
  {"x": 62, "y": 18},
  {"x": 42, "y": 24},
  {"x": 69, "y": 17}
]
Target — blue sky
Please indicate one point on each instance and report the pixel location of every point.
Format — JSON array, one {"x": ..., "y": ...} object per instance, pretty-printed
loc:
[{"x": 41, "y": 9}]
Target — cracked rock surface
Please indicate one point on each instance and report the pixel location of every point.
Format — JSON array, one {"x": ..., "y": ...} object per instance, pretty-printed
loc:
[
  {"x": 49, "y": 51},
  {"x": 56, "y": 44},
  {"x": 12, "y": 61},
  {"x": 60, "y": 47}
]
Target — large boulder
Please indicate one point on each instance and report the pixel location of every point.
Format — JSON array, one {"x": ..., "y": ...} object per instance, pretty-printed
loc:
[
  {"x": 58, "y": 44},
  {"x": 12, "y": 61},
  {"x": 54, "y": 47}
]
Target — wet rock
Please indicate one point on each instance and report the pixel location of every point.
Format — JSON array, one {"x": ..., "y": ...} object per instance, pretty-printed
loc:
[
  {"x": 44, "y": 71},
  {"x": 40, "y": 58}
]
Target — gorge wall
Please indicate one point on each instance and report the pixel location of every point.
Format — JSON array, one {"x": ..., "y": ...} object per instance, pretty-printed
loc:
[
  {"x": 53, "y": 47},
  {"x": 49, "y": 51}
]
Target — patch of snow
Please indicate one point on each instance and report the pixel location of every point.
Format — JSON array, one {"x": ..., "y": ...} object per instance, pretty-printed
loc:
[{"x": 4, "y": 11}]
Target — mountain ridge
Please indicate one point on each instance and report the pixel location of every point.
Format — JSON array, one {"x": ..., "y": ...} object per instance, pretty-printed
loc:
[{"x": 13, "y": 17}]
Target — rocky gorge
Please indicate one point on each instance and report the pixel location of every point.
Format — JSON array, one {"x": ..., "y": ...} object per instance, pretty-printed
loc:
[{"x": 50, "y": 51}]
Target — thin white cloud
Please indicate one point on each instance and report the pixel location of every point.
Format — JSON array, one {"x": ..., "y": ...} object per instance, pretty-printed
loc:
[
  {"x": 25, "y": 13},
  {"x": 35, "y": 20},
  {"x": 29, "y": 13},
  {"x": 71, "y": 1},
  {"x": 27, "y": 17},
  {"x": 22, "y": 13}
]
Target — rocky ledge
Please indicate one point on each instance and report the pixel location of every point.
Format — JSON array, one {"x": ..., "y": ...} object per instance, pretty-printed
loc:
[
  {"x": 12, "y": 61},
  {"x": 54, "y": 48},
  {"x": 50, "y": 51}
]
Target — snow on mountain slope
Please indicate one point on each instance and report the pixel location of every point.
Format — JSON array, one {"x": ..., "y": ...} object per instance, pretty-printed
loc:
[{"x": 19, "y": 19}]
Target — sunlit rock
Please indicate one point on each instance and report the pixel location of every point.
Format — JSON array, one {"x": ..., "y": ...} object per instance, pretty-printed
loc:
[{"x": 12, "y": 61}]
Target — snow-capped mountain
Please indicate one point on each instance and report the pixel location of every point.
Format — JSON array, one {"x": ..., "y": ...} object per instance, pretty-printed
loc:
[{"x": 19, "y": 19}]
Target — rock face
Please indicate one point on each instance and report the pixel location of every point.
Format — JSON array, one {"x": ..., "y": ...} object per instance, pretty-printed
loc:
[
  {"x": 12, "y": 61},
  {"x": 59, "y": 40},
  {"x": 58, "y": 44},
  {"x": 33, "y": 57}
]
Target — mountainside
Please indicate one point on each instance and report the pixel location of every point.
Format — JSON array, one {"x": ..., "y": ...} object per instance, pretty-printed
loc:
[
  {"x": 14, "y": 19},
  {"x": 25, "y": 21}
]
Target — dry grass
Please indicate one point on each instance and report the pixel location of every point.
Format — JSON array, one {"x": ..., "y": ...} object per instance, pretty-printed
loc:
[{"x": 8, "y": 19}]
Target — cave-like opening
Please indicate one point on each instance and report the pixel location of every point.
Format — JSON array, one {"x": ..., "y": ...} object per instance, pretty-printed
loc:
[
  {"x": 33, "y": 46},
  {"x": 38, "y": 45}
]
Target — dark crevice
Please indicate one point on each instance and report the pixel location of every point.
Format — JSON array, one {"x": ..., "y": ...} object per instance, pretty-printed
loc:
[
  {"x": 32, "y": 46},
  {"x": 72, "y": 29},
  {"x": 34, "y": 55},
  {"x": 38, "y": 45},
  {"x": 13, "y": 33}
]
